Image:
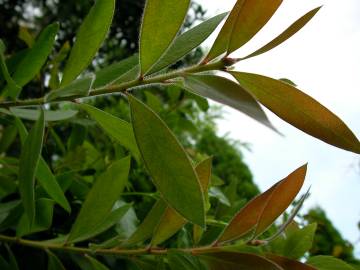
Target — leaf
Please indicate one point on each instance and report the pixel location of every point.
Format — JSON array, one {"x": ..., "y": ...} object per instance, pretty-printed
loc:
[
  {"x": 288, "y": 33},
  {"x": 246, "y": 218},
  {"x": 11, "y": 84},
  {"x": 299, "y": 110},
  {"x": 328, "y": 263},
  {"x": 44, "y": 174},
  {"x": 35, "y": 58},
  {"x": 187, "y": 41},
  {"x": 216, "y": 192},
  {"x": 263, "y": 210},
  {"x": 283, "y": 195},
  {"x": 77, "y": 88},
  {"x": 235, "y": 261},
  {"x": 161, "y": 23},
  {"x": 146, "y": 228},
  {"x": 167, "y": 162},
  {"x": 50, "y": 116},
  {"x": 299, "y": 241},
  {"x": 288, "y": 264},
  {"x": 181, "y": 260},
  {"x": 244, "y": 22},
  {"x": 100, "y": 200},
  {"x": 42, "y": 221},
  {"x": 115, "y": 72},
  {"x": 12, "y": 264},
  {"x": 25, "y": 36},
  {"x": 229, "y": 93},
  {"x": 29, "y": 159},
  {"x": 89, "y": 38},
  {"x": 53, "y": 262},
  {"x": 110, "y": 220},
  {"x": 118, "y": 129},
  {"x": 171, "y": 222},
  {"x": 89, "y": 263}
]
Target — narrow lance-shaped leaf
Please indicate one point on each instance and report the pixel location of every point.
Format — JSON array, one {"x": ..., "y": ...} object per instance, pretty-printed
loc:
[
  {"x": 263, "y": 210},
  {"x": 77, "y": 88},
  {"x": 11, "y": 84},
  {"x": 171, "y": 222},
  {"x": 49, "y": 116},
  {"x": 288, "y": 264},
  {"x": 282, "y": 196},
  {"x": 146, "y": 228},
  {"x": 246, "y": 218},
  {"x": 29, "y": 158},
  {"x": 161, "y": 23},
  {"x": 236, "y": 261},
  {"x": 117, "y": 128},
  {"x": 42, "y": 221},
  {"x": 229, "y": 93},
  {"x": 187, "y": 41},
  {"x": 35, "y": 58},
  {"x": 289, "y": 32},
  {"x": 167, "y": 162},
  {"x": 89, "y": 38},
  {"x": 244, "y": 22},
  {"x": 115, "y": 71},
  {"x": 54, "y": 262},
  {"x": 44, "y": 174},
  {"x": 100, "y": 200},
  {"x": 299, "y": 110}
]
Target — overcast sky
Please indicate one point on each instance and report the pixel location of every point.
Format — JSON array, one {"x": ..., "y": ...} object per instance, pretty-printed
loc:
[{"x": 323, "y": 59}]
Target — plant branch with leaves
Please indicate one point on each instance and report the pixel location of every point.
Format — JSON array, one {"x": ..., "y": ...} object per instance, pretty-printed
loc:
[{"x": 182, "y": 183}]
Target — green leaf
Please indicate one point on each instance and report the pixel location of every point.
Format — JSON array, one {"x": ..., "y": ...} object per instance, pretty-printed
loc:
[
  {"x": 77, "y": 88},
  {"x": 42, "y": 221},
  {"x": 100, "y": 200},
  {"x": 53, "y": 262},
  {"x": 115, "y": 72},
  {"x": 236, "y": 261},
  {"x": 29, "y": 159},
  {"x": 187, "y": 41},
  {"x": 89, "y": 263},
  {"x": 11, "y": 84},
  {"x": 35, "y": 58},
  {"x": 288, "y": 264},
  {"x": 299, "y": 241},
  {"x": 44, "y": 174},
  {"x": 167, "y": 162},
  {"x": 110, "y": 220},
  {"x": 89, "y": 38},
  {"x": 229, "y": 93},
  {"x": 244, "y": 22},
  {"x": 118, "y": 129},
  {"x": 50, "y": 116},
  {"x": 25, "y": 36},
  {"x": 289, "y": 32},
  {"x": 263, "y": 210},
  {"x": 181, "y": 260},
  {"x": 12, "y": 264},
  {"x": 161, "y": 23},
  {"x": 169, "y": 223},
  {"x": 328, "y": 263},
  {"x": 146, "y": 228},
  {"x": 299, "y": 110}
]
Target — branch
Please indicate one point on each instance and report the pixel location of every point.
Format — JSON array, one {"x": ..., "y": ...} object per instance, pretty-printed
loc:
[{"x": 123, "y": 87}]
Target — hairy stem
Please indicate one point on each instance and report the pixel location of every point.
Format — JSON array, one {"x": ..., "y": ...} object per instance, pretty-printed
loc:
[
  {"x": 109, "y": 252},
  {"x": 121, "y": 88}
]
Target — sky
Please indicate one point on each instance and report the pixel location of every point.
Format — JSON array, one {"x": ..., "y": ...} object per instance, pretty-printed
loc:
[{"x": 323, "y": 59}]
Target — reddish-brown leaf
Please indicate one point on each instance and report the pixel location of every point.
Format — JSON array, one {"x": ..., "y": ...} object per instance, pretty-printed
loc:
[{"x": 299, "y": 110}]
